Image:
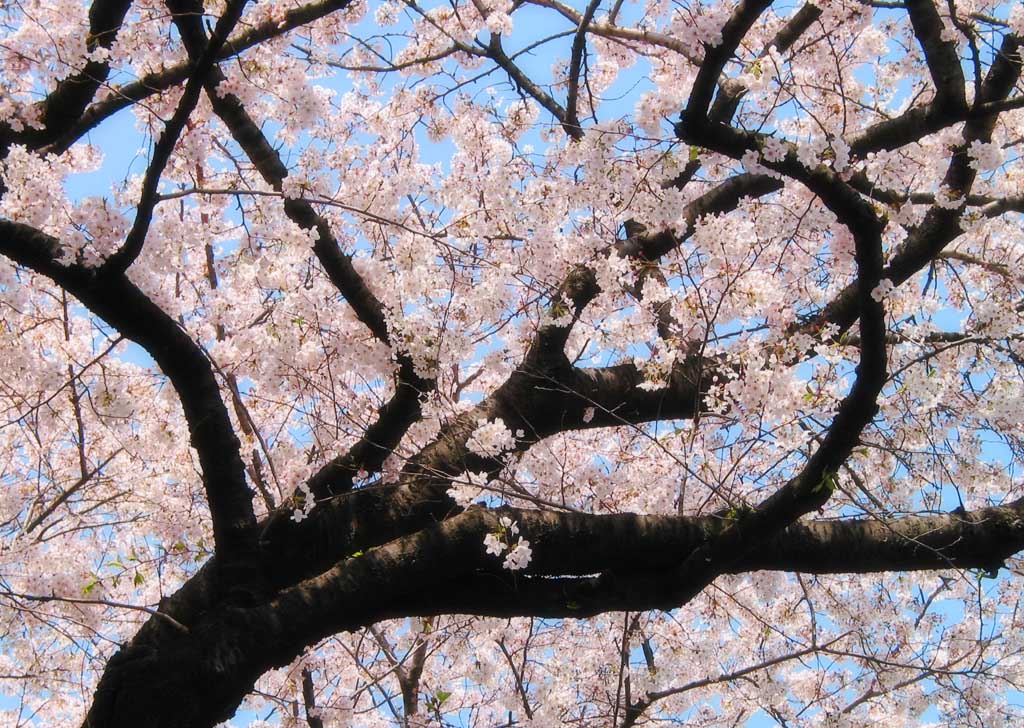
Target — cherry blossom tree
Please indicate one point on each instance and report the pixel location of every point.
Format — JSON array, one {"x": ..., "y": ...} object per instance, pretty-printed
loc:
[{"x": 511, "y": 363}]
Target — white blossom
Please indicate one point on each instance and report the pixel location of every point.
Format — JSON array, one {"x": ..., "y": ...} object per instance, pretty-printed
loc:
[
  {"x": 882, "y": 290},
  {"x": 519, "y": 557},
  {"x": 491, "y": 439}
]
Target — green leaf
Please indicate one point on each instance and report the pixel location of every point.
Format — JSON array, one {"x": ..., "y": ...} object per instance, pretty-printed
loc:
[
  {"x": 139, "y": 578},
  {"x": 87, "y": 589},
  {"x": 827, "y": 483},
  {"x": 442, "y": 696},
  {"x": 694, "y": 154},
  {"x": 572, "y": 605},
  {"x": 357, "y": 554}
]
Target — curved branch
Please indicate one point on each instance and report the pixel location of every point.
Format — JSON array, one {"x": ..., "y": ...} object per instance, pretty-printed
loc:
[
  {"x": 119, "y": 302},
  {"x": 63, "y": 106},
  {"x": 124, "y": 96},
  {"x": 129, "y": 251}
]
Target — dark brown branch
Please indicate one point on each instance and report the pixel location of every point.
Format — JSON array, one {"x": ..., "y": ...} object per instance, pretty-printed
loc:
[
  {"x": 268, "y": 163},
  {"x": 814, "y": 485},
  {"x": 496, "y": 53},
  {"x": 124, "y": 96},
  {"x": 129, "y": 251},
  {"x": 579, "y": 48},
  {"x": 715, "y": 58},
  {"x": 976, "y": 540},
  {"x": 940, "y": 55},
  {"x": 580, "y": 287},
  {"x": 313, "y": 720},
  {"x": 136, "y": 317},
  {"x": 444, "y": 569},
  {"x": 63, "y": 106}
]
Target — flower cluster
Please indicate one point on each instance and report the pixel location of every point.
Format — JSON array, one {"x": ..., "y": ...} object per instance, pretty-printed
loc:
[
  {"x": 882, "y": 290},
  {"x": 491, "y": 439},
  {"x": 500, "y": 541},
  {"x": 985, "y": 157},
  {"x": 468, "y": 487}
]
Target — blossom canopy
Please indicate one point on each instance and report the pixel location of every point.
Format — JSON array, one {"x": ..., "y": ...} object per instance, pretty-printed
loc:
[{"x": 511, "y": 363}]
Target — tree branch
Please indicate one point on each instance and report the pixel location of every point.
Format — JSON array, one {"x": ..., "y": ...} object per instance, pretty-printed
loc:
[{"x": 135, "y": 316}]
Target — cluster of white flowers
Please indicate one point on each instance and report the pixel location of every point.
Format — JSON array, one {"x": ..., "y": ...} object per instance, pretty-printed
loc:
[
  {"x": 304, "y": 502},
  {"x": 657, "y": 369},
  {"x": 497, "y": 543},
  {"x": 841, "y": 150},
  {"x": 774, "y": 150},
  {"x": 31, "y": 188},
  {"x": 945, "y": 200},
  {"x": 1016, "y": 19},
  {"x": 882, "y": 290},
  {"x": 467, "y": 487},
  {"x": 500, "y": 23},
  {"x": 491, "y": 439},
  {"x": 751, "y": 161},
  {"x": 985, "y": 157},
  {"x": 386, "y": 14}
]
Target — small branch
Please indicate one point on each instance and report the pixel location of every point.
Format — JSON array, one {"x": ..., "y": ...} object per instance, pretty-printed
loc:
[
  {"x": 579, "y": 47},
  {"x": 75, "y": 487},
  {"x": 101, "y": 602},
  {"x": 132, "y": 247},
  {"x": 309, "y": 699}
]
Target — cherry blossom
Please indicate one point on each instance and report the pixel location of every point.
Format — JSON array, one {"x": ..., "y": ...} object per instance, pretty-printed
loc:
[{"x": 489, "y": 363}]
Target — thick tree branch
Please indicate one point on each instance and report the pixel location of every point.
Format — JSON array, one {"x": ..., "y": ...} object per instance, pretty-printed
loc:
[
  {"x": 62, "y": 107},
  {"x": 129, "y": 251},
  {"x": 977, "y": 540},
  {"x": 715, "y": 58},
  {"x": 940, "y": 55},
  {"x": 136, "y": 317},
  {"x": 121, "y": 97}
]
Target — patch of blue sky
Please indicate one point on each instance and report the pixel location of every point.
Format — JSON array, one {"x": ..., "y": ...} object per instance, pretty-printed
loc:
[{"x": 125, "y": 153}]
